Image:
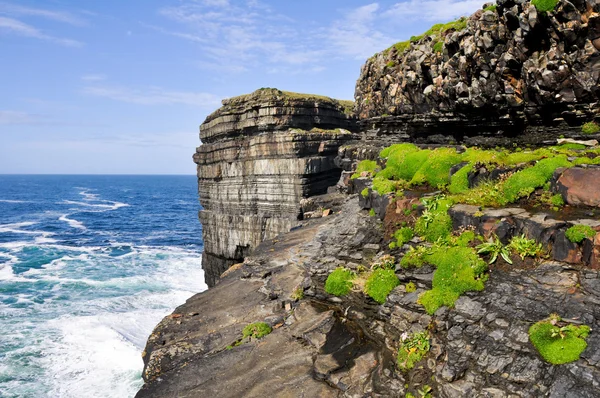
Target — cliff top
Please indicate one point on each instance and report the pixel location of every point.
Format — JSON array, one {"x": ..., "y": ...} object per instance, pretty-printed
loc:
[{"x": 273, "y": 93}]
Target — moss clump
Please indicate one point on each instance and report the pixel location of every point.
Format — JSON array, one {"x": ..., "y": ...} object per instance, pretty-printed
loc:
[
  {"x": 436, "y": 170},
  {"x": 403, "y": 235},
  {"x": 578, "y": 233},
  {"x": 524, "y": 182},
  {"x": 557, "y": 200},
  {"x": 491, "y": 8},
  {"x": 412, "y": 349},
  {"x": 545, "y": 5},
  {"x": 525, "y": 247},
  {"x": 590, "y": 128},
  {"x": 365, "y": 166},
  {"x": 256, "y": 330},
  {"x": 390, "y": 64},
  {"x": 410, "y": 287},
  {"x": 382, "y": 185},
  {"x": 438, "y": 47},
  {"x": 459, "y": 270},
  {"x": 365, "y": 192},
  {"x": 435, "y": 223},
  {"x": 459, "y": 182},
  {"x": 414, "y": 257},
  {"x": 372, "y": 213},
  {"x": 380, "y": 283},
  {"x": 386, "y": 152},
  {"x": 339, "y": 282},
  {"x": 558, "y": 342}
]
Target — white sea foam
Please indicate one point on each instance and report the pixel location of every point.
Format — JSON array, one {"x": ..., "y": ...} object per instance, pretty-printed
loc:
[
  {"x": 6, "y": 272},
  {"x": 107, "y": 206},
  {"x": 72, "y": 223},
  {"x": 88, "y": 196},
  {"x": 14, "y": 201}
]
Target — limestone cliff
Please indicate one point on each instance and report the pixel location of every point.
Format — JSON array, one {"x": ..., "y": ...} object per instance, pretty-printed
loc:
[
  {"x": 504, "y": 70},
  {"x": 261, "y": 154}
]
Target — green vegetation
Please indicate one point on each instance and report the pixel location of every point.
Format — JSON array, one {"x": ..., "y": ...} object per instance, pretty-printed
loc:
[
  {"x": 436, "y": 169},
  {"x": 435, "y": 223},
  {"x": 256, "y": 330},
  {"x": 403, "y": 235},
  {"x": 590, "y": 128},
  {"x": 491, "y": 8},
  {"x": 365, "y": 192},
  {"x": 459, "y": 182},
  {"x": 339, "y": 282},
  {"x": 544, "y": 5},
  {"x": 438, "y": 47},
  {"x": 494, "y": 248},
  {"x": 380, "y": 283},
  {"x": 578, "y": 233},
  {"x": 372, "y": 213},
  {"x": 390, "y": 64},
  {"x": 382, "y": 185},
  {"x": 298, "y": 294},
  {"x": 558, "y": 342},
  {"x": 412, "y": 349},
  {"x": 557, "y": 200},
  {"x": 384, "y": 262},
  {"x": 525, "y": 247},
  {"x": 366, "y": 166},
  {"x": 414, "y": 257},
  {"x": 410, "y": 287}
]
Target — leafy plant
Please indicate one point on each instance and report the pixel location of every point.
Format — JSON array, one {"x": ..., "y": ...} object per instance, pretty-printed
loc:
[
  {"x": 298, "y": 294},
  {"x": 494, "y": 248},
  {"x": 557, "y": 200},
  {"x": 372, "y": 213},
  {"x": 412, "y": 349},
  {"x": 339, "y": 282},
  {"x": 525, "y": 247},
  {"x": 367, "y": 167},
  {"x": 380, "y": 284},
  {"x": 545, "y": 5},
  {"x": 558, "y": 342},
  {"x": 590, "y": 128},
  {"x": 384, "y": 262},
  {"x": 578, "y": 233},
  {"x": 256, "y": 330}
]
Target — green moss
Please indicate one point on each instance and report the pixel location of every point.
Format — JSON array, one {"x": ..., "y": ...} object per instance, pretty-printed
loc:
[
  {"x": 438, "y": 47},
  {"x": 435, "y": 223},
  {"x": 556, "y": 343},
  {"x": 459, "y": 270},
  {"x": 365, "y": 192},
  {"x": 410, "y": 287},
  {"x": 404, "y": 147},
  {"x": 476, "y": 155},
  {"x": 459, "y": 182},
  {"x": 256, "y": 330},
  {"x": 339, "y": 282},
  {"x": 365, "y": 166},
  {"x": 380, "y": 283},
  {"x": 382, "y": 185},
  {"x": 525, "y": 247},
  {"x": 586, "y": 160},
  {"x": 578, "y": 233},
  {"x": 372, "y": 212},
  {"x": 491, "y": 8},
  {"x": 544, "y": 5},
  {"x": 390, "y": 64},
  {"x": 298, "y": 294},
  {"x": 487, "y": 194},
  {"x": 590, "y": 128},
  {"x": 414, "y": 257},
  {"x": 524, "y": 182},
  {"x": 436, "y": 169},
  {"x": 402, "y": 46},
  {"x": 412, "y": 349},
  {"x": 403, "y": 235},
  {"x": 557, "y": 200},
  {"x": 465, "y": 238},
  {"x": 569, "y": 147}
]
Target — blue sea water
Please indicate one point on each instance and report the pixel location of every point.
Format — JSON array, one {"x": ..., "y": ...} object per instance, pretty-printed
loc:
[{"x": 88, "y": 266}]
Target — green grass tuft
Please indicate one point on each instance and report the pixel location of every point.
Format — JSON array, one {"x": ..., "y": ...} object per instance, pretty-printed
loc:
[
  {"x": 578, "y": 233},
  {"x": 590, "y": 128},
  {"x": 403, "y": 235},
  {"x": 558, "y": 344},
  {"x": 412, "y": 349},
  {"x": 380, "y": 283},
  {"x": 438, "y": 47},
  {"x": 410, "y": 287},
  {"x": 256, "y": 330},
  {"x": 365, "y": 166},
  {"x": 435, "y": 223},
  {"x": 339, "y": 282}
]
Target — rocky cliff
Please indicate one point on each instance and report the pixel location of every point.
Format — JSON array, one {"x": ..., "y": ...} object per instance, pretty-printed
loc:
[
  {"x": 261, "y": 154},
  {"x": 507, "y": 69}
]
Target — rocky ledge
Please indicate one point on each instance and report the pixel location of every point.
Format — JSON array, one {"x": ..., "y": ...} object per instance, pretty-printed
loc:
[
  {"x": 262, "y": 154},
  {"x": 508, "y": 69}
]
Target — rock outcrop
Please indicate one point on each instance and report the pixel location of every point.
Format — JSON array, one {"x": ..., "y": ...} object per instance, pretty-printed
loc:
[
  {"x": 261, "y": 154},
  {"x": 506, "y": 70}
]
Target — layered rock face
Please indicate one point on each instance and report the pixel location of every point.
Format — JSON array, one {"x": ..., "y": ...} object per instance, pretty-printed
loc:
[
  {"x": 504, "y": 71},
  {"x": 261, "y": 154}
]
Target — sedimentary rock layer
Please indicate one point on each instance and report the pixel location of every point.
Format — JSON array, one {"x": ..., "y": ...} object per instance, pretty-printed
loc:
[
  {"x": 262, "y": 154},
  {"x": 503, "y": 71}
]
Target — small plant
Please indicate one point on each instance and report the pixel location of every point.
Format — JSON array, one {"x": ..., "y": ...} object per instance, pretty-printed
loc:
[
  {"x": 590, "y": 128},
  {"x": 557, "y": 200},
  {"x": 372, "y": 212},
  {"x": 256, "y": 330},
  {"x": 525, "y": 247},
  {"x": 390, "y": 64},
  {"x": 339, "y": 282},
  {"x": 365, "y": 192},
  {"x": 412, "y": 349},
  {"x": 558, "y": 342},
  {"x": 578, "y": 233},
  {"x": 298, "y": 294},
  {"x": 403, "y": 235},
  {"x": 384, "y": 262},
  {"x": 410, "y": 287},
  {"x": 365, "y": 168},
  {"x": 380, "y": 284},
  {"x": 545, "y": 5},
  {"x": 414, "y": 257},
  {"x": 494, "y": 248},
  {"x": 425, "y": 391},
  {"x": 438, "y": 47},
  {"x": 491, "y": 8}
]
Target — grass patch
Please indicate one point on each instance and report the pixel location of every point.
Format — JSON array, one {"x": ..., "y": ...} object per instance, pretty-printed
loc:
[
  {"x": 380, "y": 283},
  {"x": 491, "y": 8},
  {"x": 459, "y": 182},
  {"x": 578, "y": 233},
  {"x": 382, "y": 185},
  {"x": 590, "y": 128},
  {"x": 412, "y": 349},
  {"x": 339, "y": 282},
  {"x": 438, "y": 47},
  {"x": 256, "y": 330},
  {"x": 436, "y": 169},
  {"x": 557, "y": 200},
  {"x": 558, "y": 342},
  {"x": 403, "y": 235},
  {"x": 525, "y": 247},
  {"x": 366, "y": 166},
  {"x": 435, "y": 223}
]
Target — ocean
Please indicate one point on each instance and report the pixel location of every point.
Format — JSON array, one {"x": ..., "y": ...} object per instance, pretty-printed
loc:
[{"x": 88, "y": 266}]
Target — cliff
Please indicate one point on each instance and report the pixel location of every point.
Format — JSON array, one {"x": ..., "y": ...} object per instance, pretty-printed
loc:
[
  {"x": 506, "y": 71},
  {"x": 261, "y": 154}
]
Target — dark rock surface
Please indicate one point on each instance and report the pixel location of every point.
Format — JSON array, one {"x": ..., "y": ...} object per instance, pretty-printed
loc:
[
  {"x": 511, "y": 70},
  {"x": 262, "y": 154},
  {"x": 578, "y": 186}
]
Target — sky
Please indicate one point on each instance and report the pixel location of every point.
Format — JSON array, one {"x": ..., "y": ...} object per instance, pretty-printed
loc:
[{"x": 121, "y": 86}]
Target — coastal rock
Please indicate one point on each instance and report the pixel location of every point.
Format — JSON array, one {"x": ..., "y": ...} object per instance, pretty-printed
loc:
[
  {"x": 579, "y": 186},
  {"x": 261, "y": 154}
]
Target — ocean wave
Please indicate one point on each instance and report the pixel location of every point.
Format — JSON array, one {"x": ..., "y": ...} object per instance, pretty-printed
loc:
[
  {"x": 14, "y": 201},
  {"x": 107, "y": 206},
  {"x": 72, "y": 223}
]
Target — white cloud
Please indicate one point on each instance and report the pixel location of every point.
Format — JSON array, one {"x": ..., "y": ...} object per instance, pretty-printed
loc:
[
  {"x": 153, "y": 96},
  {"x": 59, "y": 16},
  {"x": 22, "y": 29},
  {"x": 433, "y": 10}
]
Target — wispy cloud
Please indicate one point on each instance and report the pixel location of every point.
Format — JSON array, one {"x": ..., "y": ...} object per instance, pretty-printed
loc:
[
  {"x": 437, "y": 10},
  {"x": 11, "y": 118},
  {"x": 59, "y": 16},
  {"x": 22, "y": 29},
  {"x": 153, "y": 96}
]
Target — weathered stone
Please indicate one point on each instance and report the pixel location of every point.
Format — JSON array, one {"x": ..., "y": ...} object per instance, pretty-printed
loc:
[{"x": 580, "y": 186}]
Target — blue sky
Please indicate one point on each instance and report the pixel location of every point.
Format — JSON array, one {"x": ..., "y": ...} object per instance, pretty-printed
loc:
[{"x": 121, "y": 86}]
